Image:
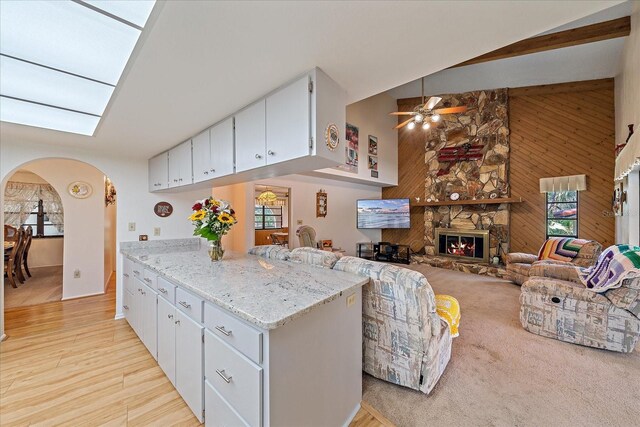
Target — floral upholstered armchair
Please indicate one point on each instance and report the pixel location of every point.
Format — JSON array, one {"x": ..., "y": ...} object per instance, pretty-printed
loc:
[
  {"x": 555, "y": 304},
  {"x": 519, "y": 264},
  {"x": 405, "y": 342}
]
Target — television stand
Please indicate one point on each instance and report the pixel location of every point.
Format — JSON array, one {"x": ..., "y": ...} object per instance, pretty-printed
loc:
[{"x": 384, "y": 252}]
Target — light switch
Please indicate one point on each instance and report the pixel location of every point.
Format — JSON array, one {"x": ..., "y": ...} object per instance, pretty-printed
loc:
[
  {"x": 156, "y": 231},
  {"x": 299, "y": 222},
  {"x": 132, "y": 226},
  {"x": 351, "y": 299}
]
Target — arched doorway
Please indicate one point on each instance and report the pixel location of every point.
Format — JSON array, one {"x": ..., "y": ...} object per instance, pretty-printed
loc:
[{"x": 89, "y": 224}]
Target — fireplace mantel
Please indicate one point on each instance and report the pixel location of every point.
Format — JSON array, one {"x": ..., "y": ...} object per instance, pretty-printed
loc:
[{"x": 470, "y": 202}]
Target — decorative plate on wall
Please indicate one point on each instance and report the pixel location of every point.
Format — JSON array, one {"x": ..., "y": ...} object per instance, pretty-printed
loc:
[
  {"x": 331, "y": 136},
  {"x": 80, "y": 189}
]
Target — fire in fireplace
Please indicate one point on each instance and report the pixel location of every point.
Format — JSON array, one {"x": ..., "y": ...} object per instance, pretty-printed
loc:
[{"x": 472, "y": 245}]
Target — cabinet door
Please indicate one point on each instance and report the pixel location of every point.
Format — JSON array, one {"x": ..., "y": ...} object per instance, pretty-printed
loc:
[
  {"x": 174, "y": 167},
  {"x": 189, "y": 361},
  {"x": 251, "y": 137},
  {"x": 222, "y": 148},
  {"x": 159, "y": 172},
  {"x": 167, "y": 339},
  {"x": 126, "y": 305},
  {"x": 180, "y": 169},
  {"x": 150, "y": 320},
  {"x": 137, "y": 308},
  {"x": 201, "y": 155},
  {"x": 288, "y": 122}
]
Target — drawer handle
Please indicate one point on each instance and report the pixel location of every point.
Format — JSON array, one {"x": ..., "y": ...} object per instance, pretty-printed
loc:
[
  {"x": 223, "y": 330},
  {"x": 170, "y": 316},
  {"x": 258, "y": 156},
  {"x": 146, "y": 279},
  {"x": 126, "y": 274},
  {"x": 143, "y": 292},
  {"x": 184, "y": 304},
  {"x": 213, "y": 171},
  {"x": 271, "y": 153},
  {"x": 126, "y": 307},
  {"x": 206, "y": 172},
  {"x": 223, "y": 376},
  {"x": 163, "y": 290},
  {"x": 136, "y": 272},
  {"x": 177, "y": 322},
  {"x": 139, "y": 289}
]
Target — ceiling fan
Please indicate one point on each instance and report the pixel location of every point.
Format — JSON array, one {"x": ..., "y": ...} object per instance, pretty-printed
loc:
[{"x": 425, "y": 114}]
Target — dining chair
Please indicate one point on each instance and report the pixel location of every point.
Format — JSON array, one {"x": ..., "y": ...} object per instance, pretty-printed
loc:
[
  {"x": 27, "y": 246},
  {"x": 11, "y": 235},
  {"x": 19, "y": 253}
]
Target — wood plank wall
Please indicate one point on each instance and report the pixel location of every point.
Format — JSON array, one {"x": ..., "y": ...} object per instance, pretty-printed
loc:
[{"x": 556, "y": 130}]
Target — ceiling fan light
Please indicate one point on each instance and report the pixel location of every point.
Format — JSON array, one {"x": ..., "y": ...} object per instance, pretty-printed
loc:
[
  {"x": 435, "y": 118},
  {"x": 419, "y": 118},
  {"x": 426, "y": 125},
  {"x": 411, "y": 125}
]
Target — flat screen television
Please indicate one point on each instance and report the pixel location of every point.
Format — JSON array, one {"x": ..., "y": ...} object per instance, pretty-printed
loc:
[{"x": 387, "y": 213}]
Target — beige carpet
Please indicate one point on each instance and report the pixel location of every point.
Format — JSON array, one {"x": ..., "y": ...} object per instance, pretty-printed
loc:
[
  {"x": 45, "y": 285},
  {"x": 502, "y": 375}
]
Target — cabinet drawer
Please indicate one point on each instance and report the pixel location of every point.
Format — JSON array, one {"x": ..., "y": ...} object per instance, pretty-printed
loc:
[
  {"x": 234, "y": 332},
  {"x": 236, "y": 378},
  {"x": 218, "y": 413},
  {"x": 150, "y": 278},
  {"x": 136, "y": 270},
  {"x": 189, "y": 304},
  {"x": 167, "y": 290}
]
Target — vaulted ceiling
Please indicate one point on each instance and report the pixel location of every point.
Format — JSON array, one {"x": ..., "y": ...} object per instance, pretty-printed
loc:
[{"x": 198, "y": 62}]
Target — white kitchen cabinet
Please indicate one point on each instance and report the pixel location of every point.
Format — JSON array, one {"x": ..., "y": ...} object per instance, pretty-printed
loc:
[
  {"x": 167, "y": 338},
  {"x": 251, "y": 146},
  {"x": 202, "y": 157},
  {"x": 222, "y": 149},
  {"x": 189, "y": 362},
  {"x": 150, "y": 320},
  {"x": 159, "y": 172},
  {"x": 288, "y": 122},
  {"x": 180, "y": 167}
]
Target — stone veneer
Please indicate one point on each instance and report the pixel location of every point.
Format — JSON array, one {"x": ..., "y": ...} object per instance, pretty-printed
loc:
[{"x": 485, "y": 123}]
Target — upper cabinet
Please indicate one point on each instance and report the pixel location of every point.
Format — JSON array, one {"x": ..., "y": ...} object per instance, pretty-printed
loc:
[
  {"x": 251, "y": 137},
  {"x": 297, "y": 128},
  {"x": 159, "y": 172},
  {"x": 180, "y": 168},
  {"x": 288, "y": 122}
]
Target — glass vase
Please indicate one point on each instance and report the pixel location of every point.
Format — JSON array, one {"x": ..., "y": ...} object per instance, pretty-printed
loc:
[{"x": 215, "y": 250}]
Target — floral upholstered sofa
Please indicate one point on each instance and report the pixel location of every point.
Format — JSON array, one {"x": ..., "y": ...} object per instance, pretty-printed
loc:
[
  {"x": 555, "y": 304},
  {"x": 405, "y": 341},
  {"x": 519, "y": 264}
]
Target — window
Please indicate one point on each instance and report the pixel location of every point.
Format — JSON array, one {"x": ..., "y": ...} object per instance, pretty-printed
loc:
[
  {"x": 268, "y": 217},
  {"x": 562, "y": 214},
  {"x": 41, "y": 223}
]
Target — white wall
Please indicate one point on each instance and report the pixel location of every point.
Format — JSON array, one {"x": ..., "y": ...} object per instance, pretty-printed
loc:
[
  {"x": 83, "y": 224},
  {"x": 627, "y": 99},
  {"x": 135, "y": 203},
  {"x": 371, "y": 117},
  {"x": 339, "y": 225}
]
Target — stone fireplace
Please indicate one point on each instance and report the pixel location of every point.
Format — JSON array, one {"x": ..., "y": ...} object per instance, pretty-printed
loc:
[{"x": 467, "y": 245}]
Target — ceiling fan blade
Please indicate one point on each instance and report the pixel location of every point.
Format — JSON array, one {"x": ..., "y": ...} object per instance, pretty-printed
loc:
[
  {"x": 402, "y": 113},
  {"x": 432, "y": 102},
  {"x": 451, "y": 110},
  {"x": 406, "y": 122}
]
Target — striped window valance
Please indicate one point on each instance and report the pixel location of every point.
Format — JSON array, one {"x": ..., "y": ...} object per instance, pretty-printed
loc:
[{"x": 563, "y": 183}]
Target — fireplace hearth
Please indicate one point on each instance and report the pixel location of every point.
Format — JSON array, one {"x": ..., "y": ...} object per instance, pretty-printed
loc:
[{"x": 469, "y": 245}]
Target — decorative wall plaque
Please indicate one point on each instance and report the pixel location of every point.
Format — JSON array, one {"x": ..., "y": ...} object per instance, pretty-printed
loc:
[
  {"x": 80, "y": 189},
  {"x": 331, "y": 136},
  {"x": 321, "y": 204},
  {"x": 163, "y": 209}
]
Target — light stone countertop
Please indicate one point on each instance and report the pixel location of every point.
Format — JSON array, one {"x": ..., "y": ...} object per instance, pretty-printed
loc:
[{"x": 267, "y": 293}]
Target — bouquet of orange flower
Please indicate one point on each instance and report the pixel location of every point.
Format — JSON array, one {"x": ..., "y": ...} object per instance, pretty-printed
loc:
[{"x": 212, "y": 218}]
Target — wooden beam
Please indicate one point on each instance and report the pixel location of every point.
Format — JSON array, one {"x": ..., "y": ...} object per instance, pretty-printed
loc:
[
  {"x": 562, "y": 87},
  {"x": 615, "y": 28}
]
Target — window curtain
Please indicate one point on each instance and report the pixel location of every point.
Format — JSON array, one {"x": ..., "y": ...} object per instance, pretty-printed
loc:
[{"x": 21, "y": 199}]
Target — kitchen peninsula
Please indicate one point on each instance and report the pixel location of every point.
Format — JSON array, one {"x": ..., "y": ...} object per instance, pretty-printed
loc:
[{"x": 249, "y": 340}]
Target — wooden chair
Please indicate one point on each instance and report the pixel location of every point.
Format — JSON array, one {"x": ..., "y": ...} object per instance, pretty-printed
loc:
[
  {"x": 11, "y": 234},
  {"x": 19, "y": 254},
  {"x": 276, "y": 240},
  {"x": 27, "y": 245}
]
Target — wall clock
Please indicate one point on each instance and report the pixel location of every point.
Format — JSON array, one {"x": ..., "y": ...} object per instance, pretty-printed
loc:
[
  {"x": 331, "y": 136},
  {"x": 80, "y": 189}
]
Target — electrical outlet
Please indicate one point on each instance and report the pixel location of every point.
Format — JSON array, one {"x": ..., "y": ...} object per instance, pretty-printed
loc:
[
  {"x": 156, "y": 231},
  {"x": 299, "y": 222},
  {"x": 76, "y": 274},
  {"x": 132, "y": 226},
  {"x": 351, "y": 299},
  {"x": 143, "y": 237}
]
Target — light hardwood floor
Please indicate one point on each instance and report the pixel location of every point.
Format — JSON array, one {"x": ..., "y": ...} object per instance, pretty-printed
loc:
[
  {"x": 70, "y": 363},
  {"x": 44, "y": 286}
]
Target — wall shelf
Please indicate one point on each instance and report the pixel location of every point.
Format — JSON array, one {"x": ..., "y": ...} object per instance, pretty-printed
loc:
[{"x": 470, "y": 202}]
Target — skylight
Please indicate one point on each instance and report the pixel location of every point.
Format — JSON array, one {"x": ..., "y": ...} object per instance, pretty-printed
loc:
[{"x": 61, "y": 60}]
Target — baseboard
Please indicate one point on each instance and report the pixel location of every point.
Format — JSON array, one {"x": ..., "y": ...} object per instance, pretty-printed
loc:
[
  {"x": 83, "y": 296},
  {"x": 352, "y": 416},
  {"x": 118, "y": 316}
]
